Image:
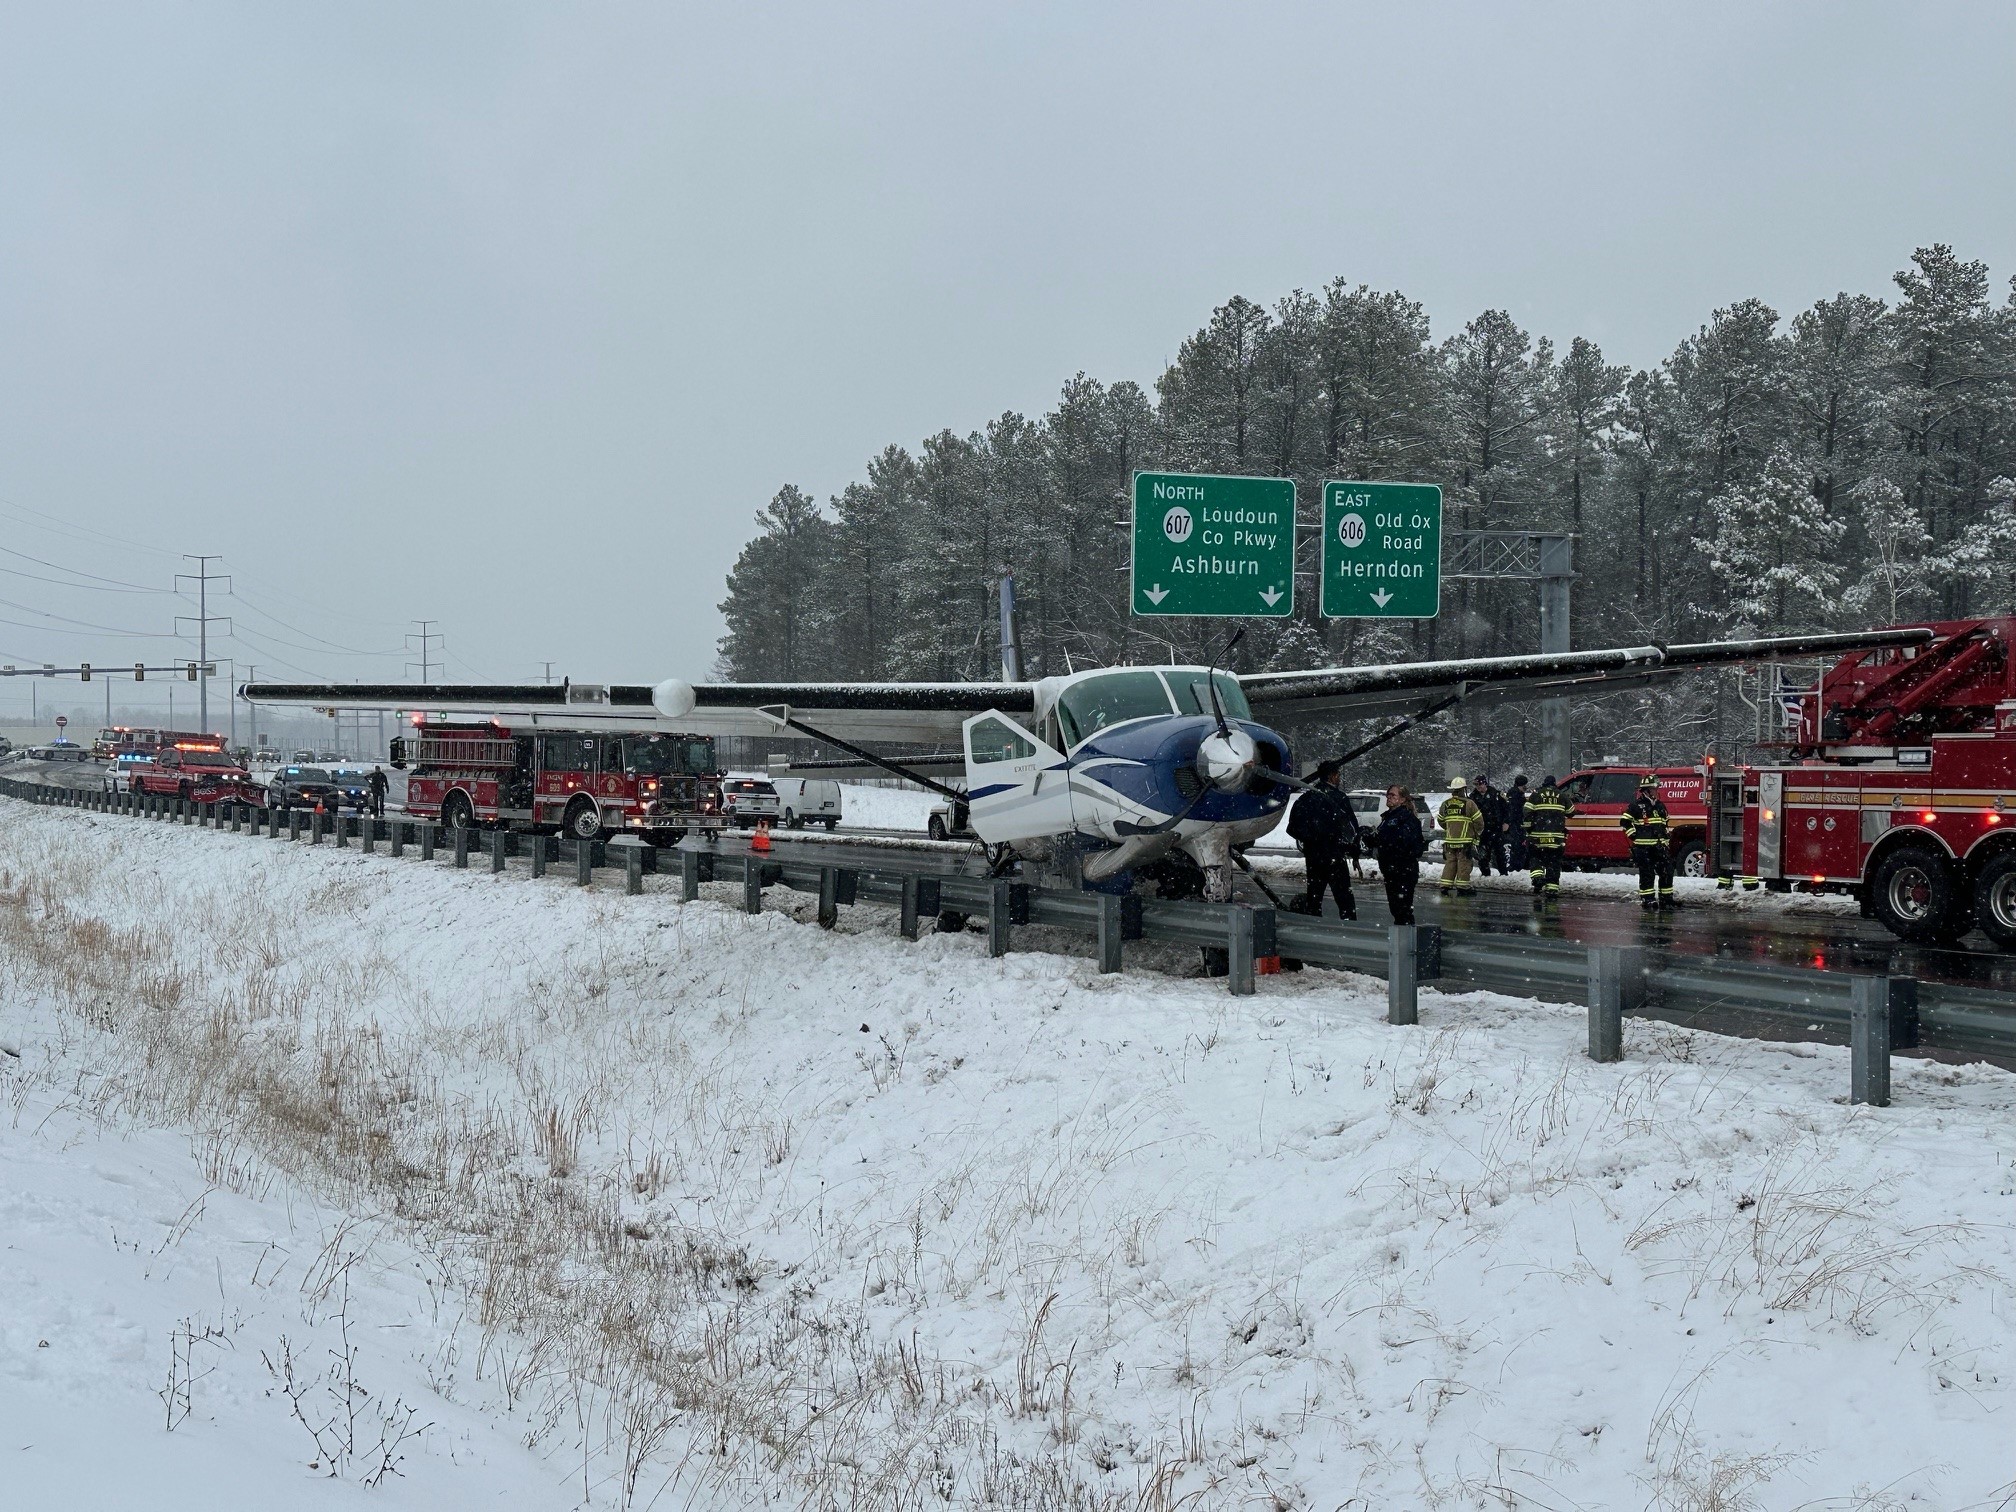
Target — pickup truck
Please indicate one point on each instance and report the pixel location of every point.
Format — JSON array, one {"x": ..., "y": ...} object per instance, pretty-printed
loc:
[{"x": 200, "y": 776}]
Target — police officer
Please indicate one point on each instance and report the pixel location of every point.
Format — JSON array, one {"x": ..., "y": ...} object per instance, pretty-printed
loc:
[
  {"x": 1649, "y": 826},
  {"x": 1547, "y": 814},
  {"x": 1462, "y": 825},
  {"x": 1323, "y": 824},
  {"x": 377, "y": 785},
  {"x": 1491, "y": 837}
]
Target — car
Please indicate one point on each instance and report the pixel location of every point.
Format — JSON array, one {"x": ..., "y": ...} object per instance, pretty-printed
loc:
[
  {"x": 749, "y": 800},
  {"x": 808, "y": 800},
  {"x": 353, "y": 787},
  {"x": 297, "y": 784},
  {"x": 118, "y": 776},
  {"x": 61, "y": 749},
  {"x": 950, "y": 821},
  {"x": 1369, "y": 803}
]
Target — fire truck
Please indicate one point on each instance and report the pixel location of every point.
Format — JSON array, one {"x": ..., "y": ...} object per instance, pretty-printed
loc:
[
  {"x": 118, "y": 740},
  {"x": 585, "y": 783},
  {"x": 1601, "y": 794},
  {"x": 1899, "y": 787}
]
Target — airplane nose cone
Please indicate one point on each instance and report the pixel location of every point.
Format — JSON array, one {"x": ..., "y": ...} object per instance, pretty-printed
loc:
[{"x": 1227, "y": 759}]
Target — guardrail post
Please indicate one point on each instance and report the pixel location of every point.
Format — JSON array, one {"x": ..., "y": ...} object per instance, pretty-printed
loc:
[
  {"x": 1616, "y": 987},
  {"x": 584, "y": 862},
  {"x": 829, "y": 897},
  {"x": 426, "y": 840},
  {"x": 1402, "y": 985},
  {"x": 1109, "y": 932},
  {"x": 293, "y": 824},
  {"x": 461, "y": 847},
  {"x": 752, "y": 885},
  {"x": 689, "y": 876},
  {"x": 500, "y": 847},
  {"x": 237, "y": 818},
  {"x": 1869, "y": 1041},
  {"x": 1239, "y": 950},
  {"x": 539, "y": 844},
  {"x": 1000, "y": 915},
  {"x": 633, "y": 870},
  {"x": 188, "y": 807},
  {"x": 397, "y": 843},
  {"x": 340, "y": 829},
  {"x": 367, "y": 834}
]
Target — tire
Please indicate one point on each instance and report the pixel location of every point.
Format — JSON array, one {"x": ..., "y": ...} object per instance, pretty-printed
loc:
[
  {"x": 951, "y": 921},
  {"x": 182, "y": 791},
  {"x": 792, "y": 819},
  {"x": 832, "y": 823},
  {"x": 1690, "y": 859},
  {"x": 1916, "y": 895},
  {"x": 936, "y": 828},
  {"x": 457, "y": 812},
  {"x": 584, "y": 820},
  {"x": 1995, "y": 899}
]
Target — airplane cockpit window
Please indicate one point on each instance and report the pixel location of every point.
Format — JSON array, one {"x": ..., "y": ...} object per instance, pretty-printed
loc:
[
  {"x": 1087, "y": 707},
  {"x": 1193, "y": 693},
  {"x": 991, "y": 740}
]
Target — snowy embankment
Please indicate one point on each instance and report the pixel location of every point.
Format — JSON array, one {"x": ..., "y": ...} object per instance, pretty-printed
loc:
[{"x": 664, "y": 1191}]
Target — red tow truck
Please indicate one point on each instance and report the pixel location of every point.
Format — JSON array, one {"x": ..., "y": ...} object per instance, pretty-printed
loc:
[
  {"x": 586, "y": 783},
  {"x": 194, "y": 767},
  {"x": 1601, "y": 794},
  {"x": 1899, "y": 787}
]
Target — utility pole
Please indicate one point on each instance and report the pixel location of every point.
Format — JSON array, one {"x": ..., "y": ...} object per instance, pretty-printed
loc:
[
  {"x": 549, "y": 673},
  {"x": 427, "y": 635},
  {"x": 203, "y": 578}
]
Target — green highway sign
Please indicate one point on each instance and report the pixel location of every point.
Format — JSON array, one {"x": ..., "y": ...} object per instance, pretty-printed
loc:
[
  {"x": 1211, "y": 545},
  {"x": 1382, "y": 551}
]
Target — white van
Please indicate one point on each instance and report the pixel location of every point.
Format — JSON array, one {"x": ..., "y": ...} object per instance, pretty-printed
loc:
[{"x": 807, "y": 800}]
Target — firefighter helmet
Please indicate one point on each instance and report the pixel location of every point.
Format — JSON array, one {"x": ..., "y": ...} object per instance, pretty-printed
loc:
[{"x": 1648, "y": 781}]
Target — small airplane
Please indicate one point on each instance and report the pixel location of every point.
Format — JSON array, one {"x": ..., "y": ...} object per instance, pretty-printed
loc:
[{"x": 1093, "y": 779}]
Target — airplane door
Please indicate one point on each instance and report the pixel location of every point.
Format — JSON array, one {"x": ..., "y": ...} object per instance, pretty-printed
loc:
[{"x": 1017, "y": 787}]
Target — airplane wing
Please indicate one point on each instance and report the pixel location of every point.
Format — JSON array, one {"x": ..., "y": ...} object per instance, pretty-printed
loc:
[
  {"x": 1407, "y": 686},
  {"x": 892, "y": 712},
  {"x": 931, "y": 714}
]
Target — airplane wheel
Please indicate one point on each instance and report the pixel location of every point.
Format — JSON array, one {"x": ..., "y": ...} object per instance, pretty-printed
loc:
[
  {"x": 936, "y": 828},
  {"x": 951, "y": 921},
  {"x": 1995, "y": 900}
]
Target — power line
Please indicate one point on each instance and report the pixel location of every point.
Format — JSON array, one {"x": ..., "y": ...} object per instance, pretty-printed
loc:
[{"x": 331, "y": 645}]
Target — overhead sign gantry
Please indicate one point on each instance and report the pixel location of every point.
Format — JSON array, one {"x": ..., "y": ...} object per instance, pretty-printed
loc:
[{"x": 1215, "y": 546}]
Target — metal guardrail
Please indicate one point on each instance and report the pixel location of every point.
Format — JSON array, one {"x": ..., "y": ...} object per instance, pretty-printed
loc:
[{"x": 1874, "y": 1015}]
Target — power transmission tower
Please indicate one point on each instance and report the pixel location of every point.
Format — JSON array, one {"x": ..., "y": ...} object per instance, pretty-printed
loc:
[
  {"x": 203, "y": 578},
  {"x": 427, "y": 635}
]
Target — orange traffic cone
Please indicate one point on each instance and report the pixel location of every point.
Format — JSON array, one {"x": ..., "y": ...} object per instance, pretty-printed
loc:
[{"x": 760, "y": 841}]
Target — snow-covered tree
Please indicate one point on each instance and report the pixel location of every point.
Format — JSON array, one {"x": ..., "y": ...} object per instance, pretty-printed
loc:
[
  {"x": 1893, "y": 582},
  {"x": 1770, "y": 546}
]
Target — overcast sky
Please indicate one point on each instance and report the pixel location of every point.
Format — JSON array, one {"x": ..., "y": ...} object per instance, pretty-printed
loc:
[{"x": 512, "y": 317}]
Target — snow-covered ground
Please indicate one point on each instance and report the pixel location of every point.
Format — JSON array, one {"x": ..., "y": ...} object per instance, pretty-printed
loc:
[{"x": 852, "y": 1221}]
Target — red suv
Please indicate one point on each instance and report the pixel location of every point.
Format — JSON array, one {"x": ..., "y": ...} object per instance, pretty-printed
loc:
[{"x": 1600, "y": 796}]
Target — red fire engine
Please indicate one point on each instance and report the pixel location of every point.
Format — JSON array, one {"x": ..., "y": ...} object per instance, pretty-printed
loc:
[
  {"x": 1900, "y": 788},
  {"x": 1600, "y": 796},
  {"x": 584, "y": 782},
  {"x": 117, "y": 740}
]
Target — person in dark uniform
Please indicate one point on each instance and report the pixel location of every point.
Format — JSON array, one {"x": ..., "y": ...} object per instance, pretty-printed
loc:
[
  {"x": 1491, "y": 834},
  {"x": 377, "y": 784},
  {"x": 1515, "y": 826},
  {"x": 1326, "y": 829},
  {"x": 1649, "y": 826},
  {"x": 1547, "y": 814},
  {"x": 1399, "y": 845}
]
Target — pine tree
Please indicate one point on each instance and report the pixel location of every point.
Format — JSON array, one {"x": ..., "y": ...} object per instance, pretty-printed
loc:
[{"x": 1769, "y": 545}]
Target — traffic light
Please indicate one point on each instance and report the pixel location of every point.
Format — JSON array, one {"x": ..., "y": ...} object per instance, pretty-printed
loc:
[
  {"x": 139, "y": 672},
  {"x": 192, "y": 671},
  {"x": 84, "y": 671}
]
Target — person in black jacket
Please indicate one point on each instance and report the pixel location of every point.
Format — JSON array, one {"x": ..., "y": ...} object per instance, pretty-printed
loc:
[
  {"x": 377, "y": 785},
  {"x": 1491, "y": 837},
  {"x": 1324, "y": 826},
  {"x": 1399, "y": 844},
  {"x": 1515, "y": 826}
]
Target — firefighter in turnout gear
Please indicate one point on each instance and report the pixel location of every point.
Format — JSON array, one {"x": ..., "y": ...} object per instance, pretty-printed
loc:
[
  {"x": 1547, "y": 814},
  {"x": 1462, "y": 828},
  {"x": 1647, "y": 823}
]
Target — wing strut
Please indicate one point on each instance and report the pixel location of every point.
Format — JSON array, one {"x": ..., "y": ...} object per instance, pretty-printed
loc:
[
  {"x": 1419, "y": 716},
  {"x": 870, "y": 757}
]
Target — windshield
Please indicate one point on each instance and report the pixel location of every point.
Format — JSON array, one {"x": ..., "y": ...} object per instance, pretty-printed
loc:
[
  {"x": 1088, "y": 707},
  {"x": 667, "y": 756},
  {"x": 308, "y": 774},
  {"x": 1193, "y": 693}
]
